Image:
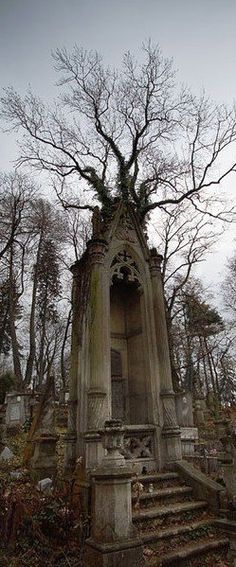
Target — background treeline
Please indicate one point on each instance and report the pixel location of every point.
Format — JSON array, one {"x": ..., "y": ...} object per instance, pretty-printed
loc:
[{"x": 38, "y": 243}]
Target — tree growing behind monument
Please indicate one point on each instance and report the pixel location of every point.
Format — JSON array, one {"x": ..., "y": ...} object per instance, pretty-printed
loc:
[{"x": 129, "y": 133}]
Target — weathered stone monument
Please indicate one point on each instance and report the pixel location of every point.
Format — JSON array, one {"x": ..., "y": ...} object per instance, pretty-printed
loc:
[
  {"x": 120, "y": 354},
  {"x": 188, "y": 433},
  {"x": 41, "y": 451},
  {"x": 122, "y": 414},
  {"x": 17, "y": 408}
]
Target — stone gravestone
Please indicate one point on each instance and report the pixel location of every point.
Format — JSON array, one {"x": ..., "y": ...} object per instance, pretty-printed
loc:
[
  {"x": 184, "y": 409},
  {"x": 42, "y": 436},
  {"x": 17, "y": 408},
  {"x": 189, "y": 433}
]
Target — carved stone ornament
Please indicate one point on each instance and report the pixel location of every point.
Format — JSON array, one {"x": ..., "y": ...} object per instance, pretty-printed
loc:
[
  {"x": 97, "y": 250},
  {"x": 155, "y": 262},
  {"x": 47, "y": 422},
  {"x": 113, "y": 441},
  {"x": 96, "y": 409},
  {"x": 139, "y": 446},
  {"x": 125, "y": 229},
  {"x": 169, "y": 413},
  {"x": 124, "y": 268}
]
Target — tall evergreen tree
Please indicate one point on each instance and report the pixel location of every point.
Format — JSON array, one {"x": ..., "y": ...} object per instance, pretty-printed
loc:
[{"x": 49, "y": 289}]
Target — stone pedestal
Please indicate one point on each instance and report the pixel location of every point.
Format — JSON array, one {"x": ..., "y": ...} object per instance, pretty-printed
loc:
[
  {"x": 113, "y": 541},
  {"x": 94, "y": 450},
  {"x": 189, "y": 436},
  {"x": 171, "y": 430},
  {"x": 43, "y": 461}
]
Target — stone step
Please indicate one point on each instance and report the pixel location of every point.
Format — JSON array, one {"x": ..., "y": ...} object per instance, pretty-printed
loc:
[
  {"x": 192, "y": 529},
  {"x": 157, "y": 477},
  {"x": 182, "y": 557},
  {"x": 165, "y": 495},
  {"x": 160, "y": 480},
  {"x": 173, "y": 513}
]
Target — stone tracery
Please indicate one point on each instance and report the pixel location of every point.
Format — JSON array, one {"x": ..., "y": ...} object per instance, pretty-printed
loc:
[{"x": 124, "y": 268}]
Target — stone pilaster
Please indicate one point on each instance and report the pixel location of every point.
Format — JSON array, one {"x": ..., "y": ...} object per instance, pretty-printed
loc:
[
  {"x": 170, "y": 431},
  {"x": 98, "y": 397}
]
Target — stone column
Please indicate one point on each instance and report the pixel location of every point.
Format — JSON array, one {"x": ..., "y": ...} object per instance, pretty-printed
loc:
[
  {"x": 99, "y": 397},
  {"x": 170, "y": 431},
  {"x": 113, "y": 541}
]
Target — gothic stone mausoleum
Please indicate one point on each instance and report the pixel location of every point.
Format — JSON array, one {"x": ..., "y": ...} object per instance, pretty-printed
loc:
[{"x": 120, "y": 357}]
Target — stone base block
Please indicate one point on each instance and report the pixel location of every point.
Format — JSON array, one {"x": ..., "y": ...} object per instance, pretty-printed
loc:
[
  {"x": 137, "y": 465},
  {"x": 173, "y": 452},
  {"x": 94, "y": 450},
  {"x": 114, "y": 555}
]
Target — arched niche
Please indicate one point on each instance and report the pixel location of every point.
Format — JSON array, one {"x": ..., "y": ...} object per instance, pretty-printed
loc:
[{"x": 128, "y": 390}]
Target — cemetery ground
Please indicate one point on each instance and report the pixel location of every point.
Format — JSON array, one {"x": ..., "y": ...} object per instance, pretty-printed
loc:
[
  {"x": 46, "y": 527},
  {"x": 38, "y": 527}
]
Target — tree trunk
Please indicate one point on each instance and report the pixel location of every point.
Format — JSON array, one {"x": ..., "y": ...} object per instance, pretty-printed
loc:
[
  {"x": 175, "y": 377},
  {"x": 203, "y": 354},
  {"x": 12, "y": 319},
  {"x": 41, "y": 361},
  {"x": 32, "y": 351},
  {"x": 63, "y": 372},
  {"x": 5, "y": 320}
]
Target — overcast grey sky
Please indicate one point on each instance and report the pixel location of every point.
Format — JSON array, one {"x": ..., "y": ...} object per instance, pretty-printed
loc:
[{"x": 200, "y": 36}]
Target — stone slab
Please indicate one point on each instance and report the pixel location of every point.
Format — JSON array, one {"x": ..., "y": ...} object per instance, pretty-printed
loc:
[
  {"x": 116, "y": 555},
  {"x": 6, "y": 454}
]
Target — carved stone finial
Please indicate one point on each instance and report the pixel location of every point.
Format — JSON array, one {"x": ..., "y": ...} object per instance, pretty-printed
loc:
[
  {"x": 155, "y": 261},
  {"x": 96, "y": 222}
]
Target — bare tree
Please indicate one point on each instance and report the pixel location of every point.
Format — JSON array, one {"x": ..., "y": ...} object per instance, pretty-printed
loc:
[
  {"x": 229, "y": 286},
  {"x": 16, "y": 192},
  {"x": 22, "y": 270},
  {"x": 185, "y": 240},
  {"x": 202, "y": 345},
  {"x": 44, "y": 222},
  {"x": 129, "y": 134}
]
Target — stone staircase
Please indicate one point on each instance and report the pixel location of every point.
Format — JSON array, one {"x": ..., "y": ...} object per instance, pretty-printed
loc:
[{"x": 175, "y": 528}]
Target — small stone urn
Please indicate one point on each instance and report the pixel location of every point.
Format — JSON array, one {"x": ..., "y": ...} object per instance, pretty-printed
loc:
[{"x": 113, "y": 442}]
